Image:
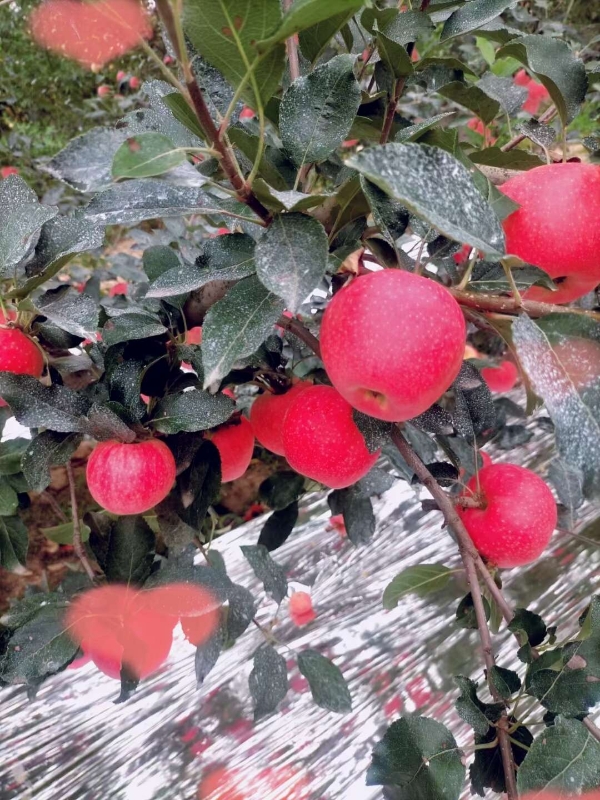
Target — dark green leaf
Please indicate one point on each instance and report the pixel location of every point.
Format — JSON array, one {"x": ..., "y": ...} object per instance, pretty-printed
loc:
[
  {"x": 21, "y": 217},
  {"x": 207, "y": 655},
  {"x": 85, "y": 163},
  {"x": 241, "y": 610},
  {"x": 531, "y": 624},
  {"x": 289, "y": 200},
  {"x": 318, "y": 110},
  {"x": 413, "y": 132},
  {"x": 473, "y": 98},
  {"x": 47, "y": 449},
  {"x": 14, "y": 541},
  {"x": 569, "y": 692},
  {"x": 394, "y": 56},
  {"x": 60, "y": 238},
  {"x": 291, "y": 257},
  {"x": 225, "y": 32},
  {"x": 473, "y": 15},
  {"x": 127, "y": 553},
  {"x": 23, "y": 610},
  {"x": 11, "y": 454},
  {"x": 314, "y": 39},
  {"x": 557, "y": 67},
  {"x": 9, "y": 502},
  {"x": 70, "y": 311},
  {"x": 158, "y": 260},
  {"x": 510, "y": 96},
  {"x": 357, "y": 511},
  {"x": 327, "y": 684},
  {"x": 145, "y": 156},
  {"x": 391, "y": 217},
  {"x": 103, "y": 424},
  {"x": 237, "y": 325},
  {"x": 567, "y": 480},
  {"x": 465, "y": 613},
  {"x": 266, "y": 570},
  {"x": 183, "y": 113},
  {"x": 436, "y": 187},
  {"x": 37, "y": 406},
  {"x": 563, "y": 757},
  {"x": 505, "y": 681},
  {"x": 268, "y": 681},
  {"x": 513, "y": 159},
  {"x": 131, "y": 326},
  {"x": 281, "y": 489},
  {"x": 202, "y": 482},
  {"x": 304, "y": 14},
  {"x": 278, "y": 527},
  {"x": 375, "y": 482},
  {"x": 191, "y": 411},
  {"x": 277, "y": 170},
  {"x": 470, "y": 708},
  {"x": 421, "y": 757},
  {"x": 420, "y": 580},
  {"x": 63, "y": 534},
  {"x": 487, "y": 770},
  {"x": 489, "y": 277},
  {"x": 408, "y": 26}
]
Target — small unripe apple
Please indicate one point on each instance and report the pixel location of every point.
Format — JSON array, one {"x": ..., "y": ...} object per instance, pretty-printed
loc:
[
  {"x": 392, "y": 343},
  {"x": 518, "y": 514},
  {"x": 235, "y": 443},
  {"x": 301, "y": 608},
  {"x": 501, "y": 378},
  {"x": 556, "y": 228},
  {"x": 130, "y": 478},
  {"x": 19, "y": 354},
  {"x": 267, "y": 414},
  {"x": 103, "y": 90},
  {"x": 134, "y": 83},
  {"x": 321, "y": 439}
]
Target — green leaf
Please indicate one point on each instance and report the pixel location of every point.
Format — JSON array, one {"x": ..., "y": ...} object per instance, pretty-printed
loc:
[
  {"x": 277, "y": 170},
  {"x": 9, "y": 502},
  {"x": 281, "y": 489},
  {"x": 505, "y": 91},
  {"x": 279, "y": 526},
  {"x": 201, "y": 482},
  {"x": 419, "y": 756},
  {"x": 413, "y": 132},
  {"x": 158, "y": 260},
  {"x": 11, "y": 453},
  {"x": 47, "y": 449},
  {"x": 130, "y": 327},
  {"x": 291, "y": 257},
  {"x": 70, "y": 311},
  {"x": 207, "y": 655},
  {"x": 145, "y": 156},
  {"x": 315, "y": 39},
  {"x": 37, "y": 650},
  {"x": 289, "y": 200},
  {"x": 394, "y": 55},
  {"x": 473, "y": 98},
  {"x": 465, "y": 613},
  {"x": 470, "y": 708},
  {"x": 531, "y": 624},
  {"x": 126, "y": 553},
  {"x": 357, "y": 511},
  {"x": 266, "y": 570},
  {"x": 25, "y": 609},
  {"x": 560, "y": 355},
  {"x": 408, "y": 26},
  {"x": 191, "y": 411},
  {"x": 85, "y": 163},
  {"x": 225, "y": 33},
  {"x": 505, "y": 681},
  {"x": 304, "y": 14},
  {"x": 318, "y": 110},
  {"x": 60, "y": 238},
  {"x": 564, "y": 757},
  {"x": 491, "y": 277},
  {"x": 242, "y": 609},
  {"x": 436, "y": 187},
  {"x": 37, "y": 406},
  {"x": 487, "y": 769},
  {"x": 236, "y": 326},
  {"x": 391, "y": 217},
  {"x": 570, "y": 692},
  {"x": 327, "y": 684},
  {"x": 473, "y": 15},
  {"x": 104, "y": 424},
  {"x": 268, "y": 681},
  {"x": 63, "y": 534},
  {"x": 513, "y": 159},
  {"x": 449, "y": 63},
  {"x": 557, "y": 67},
  {"x": 14, "y": 541},
  {"x": 420, "y": 580},
  {"x": 21, "y": 217},
  {"x": 181, "y": 110}
]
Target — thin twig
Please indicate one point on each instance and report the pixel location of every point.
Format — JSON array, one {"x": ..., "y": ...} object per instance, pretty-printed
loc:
[
  {"x": 291, "y": 45},
  {"x": 301, "y": 331},
  {"x": 55, "y": 506},
  {"x": 509, "y": 305},
  {"x": 77, "y": 543},
  {"x": 469, "y": 557},
  {"x": 547, "y": 116},
  {"x": 391, "y": 110}
]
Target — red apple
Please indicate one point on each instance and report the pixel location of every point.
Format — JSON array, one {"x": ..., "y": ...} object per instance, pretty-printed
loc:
[
  {"x": 6, "y": 171},
  {"x": 392, "y": 343},
  {"x": 545, "y": 230},
  {"x": 103, "y": 90},
  {"x": 521, "y": 78},
  {"x": 118, "y": 289},
  {"x": 121, "y": 75},
  {"x": 568, "y": 288},
  {"x": 246, "y": 113},
  {"x": 321, "y": 439},
  {"x": 194, "y": 335},
  {"x": 130, "y": 478},
  {"x": 518, "y": 514},
  {"x": 501, "y": 378},
  {"x": 134, "y": 83},
  {"x": 19, "y": 354},
  {"x": 267, "y": 414},
  {"x": 301, "y": 608},
  {"x": 235, "y": 443}
]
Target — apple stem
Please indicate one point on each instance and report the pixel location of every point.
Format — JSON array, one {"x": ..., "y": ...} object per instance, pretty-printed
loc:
[
  {"x": 469, "y": 557},
  {"x": 77, "y": 543}
]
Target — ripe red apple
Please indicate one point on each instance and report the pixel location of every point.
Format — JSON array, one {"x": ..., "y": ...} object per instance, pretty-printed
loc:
[
  {"x": 515, "y": 523},
  {"x": 246, "y": 113},
  {"x": 267, "y": 414},
  {"x": 118, "y": 289},
  {"x": 321, "y": 439},
  {"x": 568, "y": 288},
  {"x": 537, "y": 92},
  {"x": 392, "y": 343},
  {"x": 275, "y": 783},
  {"x": 6, "y": 171},
  {"x": 301, "y": 608},
  {"x": 556, "y": 227},
  {"x": 103, "y": 90},
  {"x": 501, "y": 378},
  {"x": 130, "y": 478},
  {"x": 19, "y": 354},
  {"x": 121, "y": 75},
  {"x": 134, "y": 83},
  {"x": 235, "y": 443},
  {"x": 194, "y": 335}
]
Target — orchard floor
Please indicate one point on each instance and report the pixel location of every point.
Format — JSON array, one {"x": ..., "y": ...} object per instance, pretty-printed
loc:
[{"x": 74, "y": 743}]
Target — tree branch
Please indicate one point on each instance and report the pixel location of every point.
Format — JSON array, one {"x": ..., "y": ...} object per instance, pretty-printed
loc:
[
  {"x": 470, "y": 558},
  {"x": 77, "y": 543},
  {"x": 509, "y": 305},
  {"x": 301, "y": 331},
  {"x": 547, "y": 116}
]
